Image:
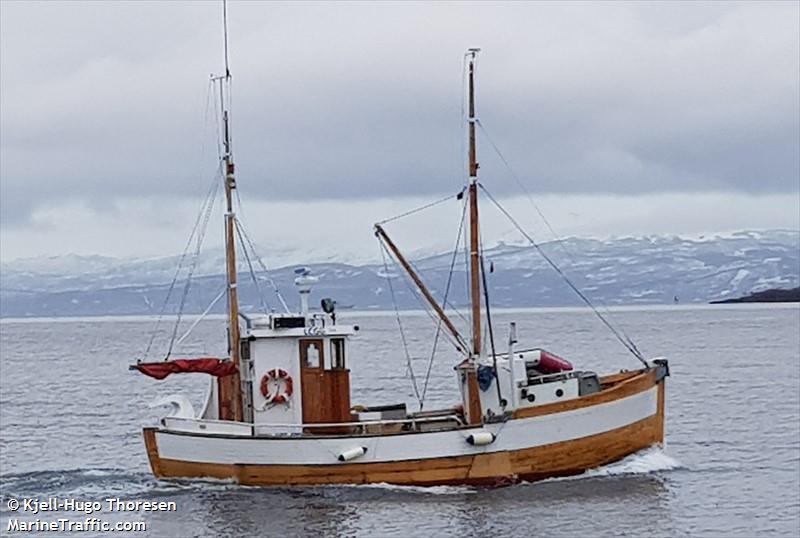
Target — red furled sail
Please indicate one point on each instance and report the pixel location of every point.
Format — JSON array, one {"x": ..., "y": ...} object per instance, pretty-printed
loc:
[{"x": 206, "y": 365}]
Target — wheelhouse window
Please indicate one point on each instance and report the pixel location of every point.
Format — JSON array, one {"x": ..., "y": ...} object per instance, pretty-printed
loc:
[
  {"x": 337, "y": 353},
  {"x": 311, "y": 353}
]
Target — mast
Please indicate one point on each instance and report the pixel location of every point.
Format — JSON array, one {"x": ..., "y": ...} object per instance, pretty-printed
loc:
[
  {"x": 474, "y": 239},
  {"x": 230, "y": 393}
]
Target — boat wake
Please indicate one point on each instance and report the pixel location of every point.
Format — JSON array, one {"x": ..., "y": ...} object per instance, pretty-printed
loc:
[
  {"x": 97, "y": 483},
  {"x": 427, "y": 490},
  {"x": 650, "y": 460},
  {"x": 117, "y": 481}
]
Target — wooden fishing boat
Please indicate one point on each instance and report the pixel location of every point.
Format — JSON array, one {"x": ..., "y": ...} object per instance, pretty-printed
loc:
[{"x": 278, "y": 409}]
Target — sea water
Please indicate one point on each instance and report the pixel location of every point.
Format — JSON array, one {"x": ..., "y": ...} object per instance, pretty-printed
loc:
[{"x": 71, "y": 415}]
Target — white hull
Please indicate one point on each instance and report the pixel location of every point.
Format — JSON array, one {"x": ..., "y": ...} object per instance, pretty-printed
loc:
[{"x": 548, "y": 444}]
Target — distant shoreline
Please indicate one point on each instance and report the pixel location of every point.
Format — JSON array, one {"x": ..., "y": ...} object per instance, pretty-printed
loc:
[
  {"x": 361, "y": 313},
  {"x": 767, "y": 296}
]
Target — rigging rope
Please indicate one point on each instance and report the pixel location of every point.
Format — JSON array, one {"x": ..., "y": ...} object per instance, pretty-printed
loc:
[
  {"x": 223, "y": 291},
  {"x": 491, "y": 330},
  {"x": 527, "y": 193},
  {"x": 409, "y": 366},
  {"x": 518, "y": 180},
  {"x": 627, "y": 343},
  {"x": 457, "y": 342},
  {"x": 259, "y": 260},
  {"x": 211, "y": 194},
  {"x": 459, "y": 345},
  {"x": 458, "y": 196},
  {"x": 199, "y": 243},
  {"x": 422, "y": 208},
  {"x": 467, "y": 283},
  {"x": 261, "y": 298},
  {"x": 444, "y": 301}
]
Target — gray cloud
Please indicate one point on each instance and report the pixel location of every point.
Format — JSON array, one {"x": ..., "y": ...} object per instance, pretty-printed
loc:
[{"x": 102, "y": 101}]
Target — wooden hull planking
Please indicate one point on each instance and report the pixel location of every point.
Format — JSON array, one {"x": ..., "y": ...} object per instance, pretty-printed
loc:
[{"x": 564, "y": 458}]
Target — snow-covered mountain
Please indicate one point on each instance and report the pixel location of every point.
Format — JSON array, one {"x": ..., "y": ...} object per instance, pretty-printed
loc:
[{"x": 625, "y": 270}]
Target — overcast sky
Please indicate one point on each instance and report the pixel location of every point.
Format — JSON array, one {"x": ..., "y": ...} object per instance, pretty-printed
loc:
[{"x": 620, "y": 118}]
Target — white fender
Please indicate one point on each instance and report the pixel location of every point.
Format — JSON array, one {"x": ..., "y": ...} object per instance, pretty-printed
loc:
[
  {"x": 352, "y": 453},
  {"x": 481, "y": 438},
  {"x": 181, "y": 406}
]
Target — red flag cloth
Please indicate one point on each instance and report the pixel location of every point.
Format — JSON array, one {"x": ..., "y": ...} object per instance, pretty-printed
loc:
[{"x": 206, "y": 365}]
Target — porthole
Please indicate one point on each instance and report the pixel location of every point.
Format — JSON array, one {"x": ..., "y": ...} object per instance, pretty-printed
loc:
[
  {"x": 559, "y": 393},
  {"x": 531, "y": 397}
]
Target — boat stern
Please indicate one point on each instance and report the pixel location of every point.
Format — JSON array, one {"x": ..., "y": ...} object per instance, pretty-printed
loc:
[{"x": 149, "y": 435}]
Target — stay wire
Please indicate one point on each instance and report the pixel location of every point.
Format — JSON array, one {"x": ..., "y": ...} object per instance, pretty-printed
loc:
[
  {"x": 457, "y": 342},
  {"x": 409, "y": 366},
  {"x": 421, "y": 208},
  {"x": 211, "y": 193},
  {"x": 259, "y": 260},
  {"x": 489, "y": 325},
  {"x": 467, "y": 283},
  {"x": 261, "y": 298},
  {"x": 630, "y": 346},
  {"x": 536, "y": 207},
  {"x": 444, "y": 302},
  {"x": 222, "y": 291},
  {"x": 519, "y": 181},
  {"x": 199, "y": 243}
]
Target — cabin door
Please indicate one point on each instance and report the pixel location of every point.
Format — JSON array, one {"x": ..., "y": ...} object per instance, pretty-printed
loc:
[
  {"x": 312, "y": 364},
  {"x": 325, "y": 383}
]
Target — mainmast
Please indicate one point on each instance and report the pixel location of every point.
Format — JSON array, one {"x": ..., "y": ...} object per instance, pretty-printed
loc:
[
  {"x": 230, "y": 390},
  {"x": 474, "y": 230}
]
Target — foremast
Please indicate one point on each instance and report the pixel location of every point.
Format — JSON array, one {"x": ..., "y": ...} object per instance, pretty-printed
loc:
[
  {"x": 474, "y": 228},
  {"x": 474, "y": 412},
  {"x": 469, "y": 367},
  {"x": 230, "y": 393}
]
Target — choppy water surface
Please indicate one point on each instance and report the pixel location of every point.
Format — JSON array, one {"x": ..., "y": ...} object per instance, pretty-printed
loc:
[{"x": 71, "y": 413}]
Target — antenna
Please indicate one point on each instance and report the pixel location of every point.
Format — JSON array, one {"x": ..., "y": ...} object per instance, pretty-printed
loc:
[{"x": 225, "y": 32}]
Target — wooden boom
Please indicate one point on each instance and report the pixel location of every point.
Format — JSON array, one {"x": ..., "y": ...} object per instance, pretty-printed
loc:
[{"x": 381, "y": 233}]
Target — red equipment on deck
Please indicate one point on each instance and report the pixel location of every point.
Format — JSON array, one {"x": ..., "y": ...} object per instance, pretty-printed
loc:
[
  {"x": 206, "y": 365},
  {"x": 552, "y": 364}
]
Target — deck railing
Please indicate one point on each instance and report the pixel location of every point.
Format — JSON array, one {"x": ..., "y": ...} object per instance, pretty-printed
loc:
[{"x": 367, "y": 427}]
